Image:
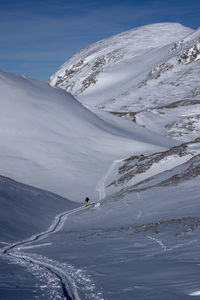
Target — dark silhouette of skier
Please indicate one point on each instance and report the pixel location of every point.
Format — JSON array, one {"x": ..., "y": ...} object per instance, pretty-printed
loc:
[{"x": 87, "y": 201}]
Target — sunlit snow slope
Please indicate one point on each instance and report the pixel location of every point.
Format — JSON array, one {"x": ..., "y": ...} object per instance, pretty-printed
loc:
[
  {"x": 49, "y": 140},
  {"x": 104, "y": 73},
  {"x": 149, "y": 75}
]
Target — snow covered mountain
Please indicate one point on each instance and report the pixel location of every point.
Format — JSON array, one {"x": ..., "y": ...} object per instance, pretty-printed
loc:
[
  {"x": 149, "y": 74},
  {"x": 132, "y": 146},
  {"x": 103, "y": 72},
  {"x": 141, "y": 241},
  {"x": 49, "y": 140}
]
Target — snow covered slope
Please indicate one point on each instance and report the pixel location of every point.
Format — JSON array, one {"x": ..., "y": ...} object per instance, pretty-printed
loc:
[
  {"x": 49, "y": 140},
  {"x": 137, "y": 173},
  {"x": 104, "y": 72},
  {"x": 149, "y": 75},
  {"x": 140, "y": 237},
  {"x": 141, "y": 242},
  {"x": 26, "y": 210}
]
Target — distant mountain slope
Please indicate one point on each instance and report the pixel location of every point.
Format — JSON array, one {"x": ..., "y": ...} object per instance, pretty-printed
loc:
[
  {"x": 49, "y": 140},
  {"x": 169, "y": 168},
  {"x": 149, "y": 75},
  {"x": 104, "y": 72}
]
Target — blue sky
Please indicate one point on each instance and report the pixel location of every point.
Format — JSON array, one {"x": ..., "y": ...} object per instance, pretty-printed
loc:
[{"x": 38, "y": 36}]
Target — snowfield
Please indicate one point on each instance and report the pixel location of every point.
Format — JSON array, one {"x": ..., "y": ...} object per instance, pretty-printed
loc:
[
  {"x": 131, "y": 144},
  {"x": 58, "y": 144}
]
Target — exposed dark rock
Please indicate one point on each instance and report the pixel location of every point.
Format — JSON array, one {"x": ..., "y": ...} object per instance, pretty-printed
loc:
[
  {"x": 140, "y": 164},
  {"x": 190, "y": 55},
  {"x": 99, "y": 62},
  {"x": 191, "y": 172},
  {"x": 91, "y": 79},
  {"x": 132, "y": 115},
  {"x": 156, "y": 72},
  {"x": 179, "y": 227},
  {"x": 176, "y": 45}
]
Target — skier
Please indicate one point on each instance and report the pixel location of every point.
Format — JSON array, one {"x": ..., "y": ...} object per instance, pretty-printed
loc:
[{"x": 87, "y": 201}]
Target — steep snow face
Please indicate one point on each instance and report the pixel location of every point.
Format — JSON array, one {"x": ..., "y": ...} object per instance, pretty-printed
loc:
[
  {"x": 104, "y": 72},
  {"x": 49, "y": 140}
]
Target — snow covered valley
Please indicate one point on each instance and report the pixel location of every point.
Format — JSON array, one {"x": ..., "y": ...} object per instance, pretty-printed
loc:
[
  {"x": 143, "y": 246},
  {"x": 139, "y": 238}
]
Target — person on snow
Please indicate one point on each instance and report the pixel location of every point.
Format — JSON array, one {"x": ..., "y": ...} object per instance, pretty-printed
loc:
[{"x": 87, "y": 201}]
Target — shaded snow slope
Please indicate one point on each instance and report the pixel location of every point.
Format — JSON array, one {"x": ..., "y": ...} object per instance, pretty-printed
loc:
[
  {"x": 103, "y": 73},
  {"x": 49, "y": 140},
  {"x": 26, "y": 210}
]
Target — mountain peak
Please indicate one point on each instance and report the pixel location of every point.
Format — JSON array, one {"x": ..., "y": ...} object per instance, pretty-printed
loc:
[{"x": 116, "y": 60}]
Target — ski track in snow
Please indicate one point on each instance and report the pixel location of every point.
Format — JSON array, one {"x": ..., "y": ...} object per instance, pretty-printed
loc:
[
  {"x": 53, "y": 267},
  {"x": 140, "y": 212},
  {"x": 159, "y": 242},
  {"x": 64, "y": 275},
  {"x": 102, "y": 182},
  {"x": 34, "y": 246},
  {"x": 166, "y": 248}
]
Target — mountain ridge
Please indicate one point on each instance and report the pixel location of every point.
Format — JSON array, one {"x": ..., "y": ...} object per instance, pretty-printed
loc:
[{"x": 88, "y": 64}]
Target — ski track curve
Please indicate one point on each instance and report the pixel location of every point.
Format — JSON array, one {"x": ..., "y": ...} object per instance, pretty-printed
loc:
[
  {"x": 69, "y": 288},
  {"x": 67, "y": 283}
]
